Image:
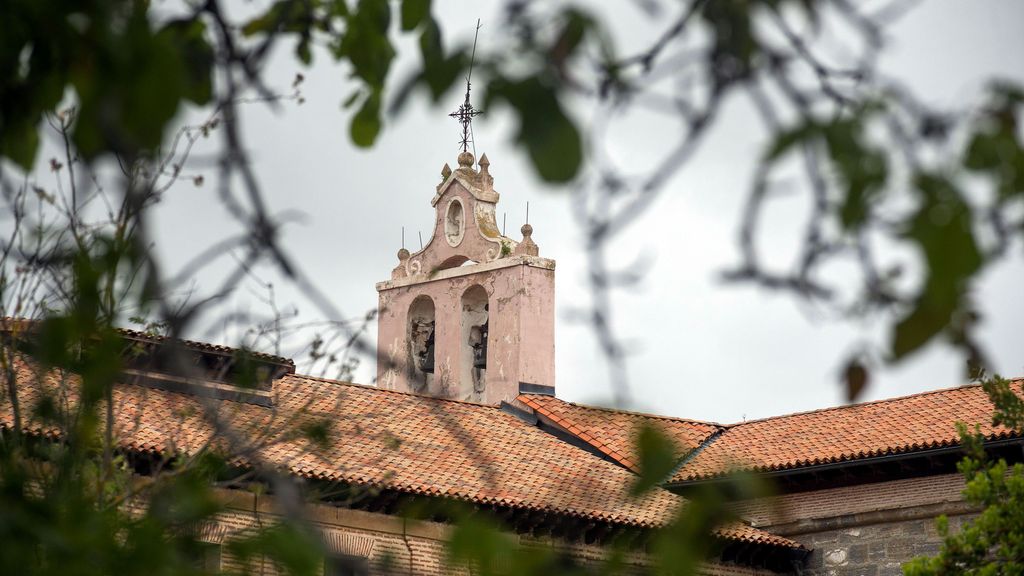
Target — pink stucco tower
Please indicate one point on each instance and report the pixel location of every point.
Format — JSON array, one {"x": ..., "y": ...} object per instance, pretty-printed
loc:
[{"x": 471, "y": 315}]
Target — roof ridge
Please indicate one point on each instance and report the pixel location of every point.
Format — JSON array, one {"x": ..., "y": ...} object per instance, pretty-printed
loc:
[
  {"x": 205, "y": 345},
  {"x": 14, "y": 321},
  {"x": 376, "y": 388},
  {"x": 866, "y": 403},
  {"x": 630, "y": 412}
]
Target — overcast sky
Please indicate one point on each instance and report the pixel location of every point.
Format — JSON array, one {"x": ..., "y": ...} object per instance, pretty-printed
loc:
[{"x": 701, "y": 349}]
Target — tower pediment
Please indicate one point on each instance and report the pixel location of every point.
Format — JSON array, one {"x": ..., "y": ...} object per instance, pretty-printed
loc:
[
  {"x": 465, "y": 223},
  {"x": 480, "y": 184}
]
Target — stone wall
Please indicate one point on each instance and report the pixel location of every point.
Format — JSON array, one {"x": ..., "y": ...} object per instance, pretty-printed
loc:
[
  {"x": 878, "y": 549},
  {"x": 868, "y": 529}
]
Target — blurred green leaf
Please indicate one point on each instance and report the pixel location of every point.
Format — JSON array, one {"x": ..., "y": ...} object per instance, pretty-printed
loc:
[
  {"x": 293, "y": 549},
  {"x": 482, "y": 546},
  {"x": 414, "y": 12},
  {"x": 863, "y": 169},
  {"x": 995, "y": 147},
  {"x": 366, "y": 43},
  {"x": 366, "y": 122},
  {"x": 570, "y": 37},
  {"x": 732, "y": 35},
  {"x": 37, "y": 53},
  {"x": 351, "y": 100},
  {"x": 282, "y": 16},
  {"x": 545, "y": 130},
  {"x": 188, "y": 38},
  {"x": 658, "y": 458},
  {"x": 20, "y": 143},
  {"x": 303, "y": 50},
  {"x": 785, "y": 140},
  {"x": 439, "y": 72},
  {"x": 317, "y": 432},
  {"x": 942, "y": 231},
  {"x": 129, "y": 90}
]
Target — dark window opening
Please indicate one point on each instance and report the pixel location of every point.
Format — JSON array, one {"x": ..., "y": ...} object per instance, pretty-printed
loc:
[
  {"x": 478, "y": 340},
  {"x": 475, "y": 330},
  {"x": 207, "y": 557},
  {"x": 346, "y": 565},
  {"x": 421, "y": 342},
  {"x": 425, "y": 357}
]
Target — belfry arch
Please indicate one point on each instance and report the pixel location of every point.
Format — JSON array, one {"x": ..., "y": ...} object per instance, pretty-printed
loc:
[
  {"x": 474, "y": 324},
  {"x": 421, "y": 341}
]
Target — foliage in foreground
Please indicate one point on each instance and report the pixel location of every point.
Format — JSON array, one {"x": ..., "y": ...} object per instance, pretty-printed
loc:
[{"x": 869, "y": 146}]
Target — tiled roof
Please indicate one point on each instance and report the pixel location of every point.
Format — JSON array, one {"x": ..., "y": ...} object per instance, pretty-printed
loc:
[
  {"x": 8, "y": 323},
  {"x": 612, "y": 432},
  {"x": 739, "y": 532},
  {"x": 395, "y": 441},
  {"x": 896, "y": 426},
  {"x": 206, "y": 346},
  {"x": 391, "y": 440}
]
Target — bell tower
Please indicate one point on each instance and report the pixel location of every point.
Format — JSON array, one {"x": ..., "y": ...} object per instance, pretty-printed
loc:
[{"x": 471, "y": 315}]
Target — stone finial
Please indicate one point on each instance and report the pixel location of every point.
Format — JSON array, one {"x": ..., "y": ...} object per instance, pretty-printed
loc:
[
  {"x": 466, "y": 160},
  {"x": 401, "y": 271},
  {"x": 446, "y": 172},
  {"x": 485, "y": 176},
  {"x": 527, "y": 246}
]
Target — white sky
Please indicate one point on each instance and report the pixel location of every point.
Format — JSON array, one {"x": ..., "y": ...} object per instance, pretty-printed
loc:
[{"x": 701, "y": 349}]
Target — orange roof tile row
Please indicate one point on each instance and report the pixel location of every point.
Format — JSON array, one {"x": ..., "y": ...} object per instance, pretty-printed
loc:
[
  {"x": 612, "y": 432},
  {"x": 900, "y": 425},
  {"x": 740, "y": 532},
  {"x": 387, "y": 440},
  {"x": 896, "y": 426},
  {"x": 383, "y": 439},
  {"x": 196, "y": 345}
]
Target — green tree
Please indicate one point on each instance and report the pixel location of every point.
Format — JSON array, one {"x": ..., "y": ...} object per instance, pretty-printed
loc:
[{"x": 993, "y": 542}]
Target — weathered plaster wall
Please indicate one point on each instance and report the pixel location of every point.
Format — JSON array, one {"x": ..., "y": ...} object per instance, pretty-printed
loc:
[
  {"x": 520, "y": 344},
  {"x": 469, "y": 232},
  {"x": 869, "y": 529},
  {"x": 465, "y": 250}
]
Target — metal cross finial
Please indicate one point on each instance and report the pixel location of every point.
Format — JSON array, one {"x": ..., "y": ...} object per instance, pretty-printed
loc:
[{"x": 464, "y": 115}]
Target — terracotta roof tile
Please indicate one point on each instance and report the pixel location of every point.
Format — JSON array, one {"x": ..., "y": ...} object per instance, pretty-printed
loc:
[
  {"x": 745, "y": 533},
  {"x": 387, "y": 440},
  {"x": 206, "y": 346},
  {"x": 612, "y": 431},
  {"x": 899, "y": 425}
]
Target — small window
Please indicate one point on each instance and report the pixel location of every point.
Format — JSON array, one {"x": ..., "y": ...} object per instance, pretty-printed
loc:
[
  {"x": 454, "y": 222},
  {"x": 346, "y": 565}
]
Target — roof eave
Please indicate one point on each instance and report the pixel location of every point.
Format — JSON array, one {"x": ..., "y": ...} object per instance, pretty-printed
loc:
[{"x": 840, "y": 464}]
